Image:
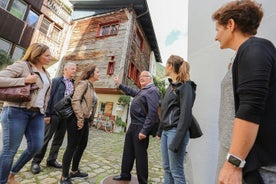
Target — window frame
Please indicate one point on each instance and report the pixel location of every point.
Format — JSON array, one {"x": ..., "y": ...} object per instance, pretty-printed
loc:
[
  {"x": 58, "y": 35},
  {"x": 110, "y": 68},
  {"x": 17, "y": 47},
  {"x": 28, "y": 18},
  {"x": 140, "y": 39},
  {"x": 8, "y": 51},
  {"x": 6, "y": 5},
  {"x": 48, "y": 28},
  {"x": 14, "y": 13},
  {"x": 109, "y": 26}
]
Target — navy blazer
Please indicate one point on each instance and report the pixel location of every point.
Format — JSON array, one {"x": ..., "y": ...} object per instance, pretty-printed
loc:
[{"x": 57, "y": 93}]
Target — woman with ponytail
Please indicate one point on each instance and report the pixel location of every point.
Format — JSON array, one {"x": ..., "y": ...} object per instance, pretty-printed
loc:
[{"x": 176, "y": 117}]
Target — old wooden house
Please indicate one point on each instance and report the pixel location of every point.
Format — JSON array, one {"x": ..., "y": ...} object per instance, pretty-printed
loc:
[{"x": 118, "y": 37}]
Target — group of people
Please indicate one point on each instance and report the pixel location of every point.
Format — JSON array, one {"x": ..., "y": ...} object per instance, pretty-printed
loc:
[
  {"x": 247, "y": 131},
  {"x": 37, "y": 119}
]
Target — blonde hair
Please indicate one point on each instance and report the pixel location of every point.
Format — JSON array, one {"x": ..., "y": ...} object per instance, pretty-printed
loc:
[
  {"x": 180, "y": 67},
  {"x": 34, "y": 51}
]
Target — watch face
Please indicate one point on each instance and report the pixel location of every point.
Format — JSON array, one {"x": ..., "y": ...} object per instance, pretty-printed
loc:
[{"x": 234, "y": 161}]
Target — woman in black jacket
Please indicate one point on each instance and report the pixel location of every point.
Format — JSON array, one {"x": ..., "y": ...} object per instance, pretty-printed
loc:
[{"x": 176, "y": 117}]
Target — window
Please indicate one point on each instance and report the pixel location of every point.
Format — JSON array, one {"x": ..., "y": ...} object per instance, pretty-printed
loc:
[
  {"x": 56, "y": 34},
  {"x": 109, "y": 29},
  {"x": 18, "y": 53},
  {"x": 133, "y": 74},
  {"x": 5, "y": 46},
  {"x": 18, "y": 9},
  {"x": 110, "y": 68},
  {"x": 130, "y": 70},
  {"x": 32, "y": 18},
  {"x": 139, "y": 39},
  {"x": 45, "y": 25},
  {"x": 4, "y": 3}
]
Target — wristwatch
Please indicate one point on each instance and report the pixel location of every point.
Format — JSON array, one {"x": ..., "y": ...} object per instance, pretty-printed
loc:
[{"x": 236, "y": 161}]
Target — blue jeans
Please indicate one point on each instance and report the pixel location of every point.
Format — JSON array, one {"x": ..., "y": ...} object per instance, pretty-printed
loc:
[
  {"x": 173, "y": 163},
  {"x": 17, "y": 122}
]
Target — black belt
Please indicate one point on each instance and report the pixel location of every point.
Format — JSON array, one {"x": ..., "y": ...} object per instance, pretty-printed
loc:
[{"x": 36, "y": 109}]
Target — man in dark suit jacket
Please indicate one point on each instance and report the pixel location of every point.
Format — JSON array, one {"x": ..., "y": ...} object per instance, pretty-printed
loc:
[{"x": 55, "y": 125}]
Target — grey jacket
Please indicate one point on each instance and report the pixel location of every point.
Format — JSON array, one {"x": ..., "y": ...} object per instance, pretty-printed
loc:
[{"x": 14, "y": 75}]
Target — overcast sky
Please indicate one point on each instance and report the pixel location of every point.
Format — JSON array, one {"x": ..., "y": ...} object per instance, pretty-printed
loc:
[{"x": 169, "y": 20}]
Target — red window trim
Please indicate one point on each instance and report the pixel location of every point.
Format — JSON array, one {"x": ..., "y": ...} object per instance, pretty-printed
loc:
[{"x": 137, "y": 33}]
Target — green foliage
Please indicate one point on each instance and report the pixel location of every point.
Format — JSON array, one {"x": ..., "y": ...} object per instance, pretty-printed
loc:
[
  {"x": 124, "y": 100},
  {"x": 160, "y": 84},
  {"x": 4, "y": 58},
  {"x": 120, "y": 122}
]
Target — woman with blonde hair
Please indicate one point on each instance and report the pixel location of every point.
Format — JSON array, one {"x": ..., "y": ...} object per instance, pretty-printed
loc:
[
  {"x": 176, "y": 117},
  {"x": 20, "y": 119}
]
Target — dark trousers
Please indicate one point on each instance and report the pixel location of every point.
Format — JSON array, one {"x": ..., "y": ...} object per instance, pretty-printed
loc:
[
  {"x": 135, "y": 149},
  {"x": 56, "y": 127},
  {"x": 77, "y": 142}
]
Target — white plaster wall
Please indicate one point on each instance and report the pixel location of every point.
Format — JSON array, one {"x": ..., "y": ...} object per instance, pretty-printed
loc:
[{"x": 208, "y": 66}]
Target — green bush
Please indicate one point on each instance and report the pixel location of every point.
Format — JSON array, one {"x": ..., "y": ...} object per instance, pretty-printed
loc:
[
  {"x": 120, "y": 122},
  {"x": 124, "y": 100}
]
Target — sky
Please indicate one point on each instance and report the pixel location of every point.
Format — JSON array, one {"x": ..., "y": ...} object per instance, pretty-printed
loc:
[{"x": 170, "y": 22}]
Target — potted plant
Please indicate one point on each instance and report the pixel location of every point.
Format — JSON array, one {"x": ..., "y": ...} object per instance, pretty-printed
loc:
[
  {"x": 120, "y": 124},
  {"x": 124, "y": 100}
]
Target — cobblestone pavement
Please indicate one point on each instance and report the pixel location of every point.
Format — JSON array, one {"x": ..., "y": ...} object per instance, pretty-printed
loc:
[{"x": 101, "y": 158}]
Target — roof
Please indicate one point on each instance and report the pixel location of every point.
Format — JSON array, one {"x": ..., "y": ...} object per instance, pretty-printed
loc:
[{"x": 141, "y": 10}]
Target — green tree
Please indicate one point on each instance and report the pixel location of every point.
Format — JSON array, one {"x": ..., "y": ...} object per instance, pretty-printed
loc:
[
  {"x": 160, "y": 84},
  {"x": 4, "y": 58}
]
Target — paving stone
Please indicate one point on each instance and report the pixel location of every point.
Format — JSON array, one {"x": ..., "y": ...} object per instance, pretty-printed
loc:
[{"x": 102, "y": 158}]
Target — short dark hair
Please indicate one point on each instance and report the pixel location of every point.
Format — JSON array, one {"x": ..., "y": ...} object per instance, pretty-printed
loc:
[{"x": 247, "y": 14}]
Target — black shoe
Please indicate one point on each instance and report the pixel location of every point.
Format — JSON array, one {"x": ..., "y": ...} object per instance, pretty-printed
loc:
[
  {"x": 120, "y": 177},
  {"x": 65, "y": 181},
  {"x": 35, "y": 168},
  {"x": 78, "y": 174},
  {"x": 54, "y": 164}
]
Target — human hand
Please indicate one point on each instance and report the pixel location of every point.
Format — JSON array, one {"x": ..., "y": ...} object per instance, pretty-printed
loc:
[
  {"x": 116, "y": 80},
  {"x": 158, "y": 138},
  {"x": 141, "y": 136},
  {"x": 230, "y": 174},
  {"x": 47, "y": 120},
  {"x": 31, "y": 78},
  {"x": 80, "y": 124}
]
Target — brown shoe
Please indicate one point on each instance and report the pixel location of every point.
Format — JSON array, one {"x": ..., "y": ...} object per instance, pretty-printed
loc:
[{"x": 11, "y": 179}]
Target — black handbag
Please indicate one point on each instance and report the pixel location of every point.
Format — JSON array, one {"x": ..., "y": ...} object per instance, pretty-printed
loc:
[
  {"x": 64, "y": 107},
  {"x": 195, "y": 130}
]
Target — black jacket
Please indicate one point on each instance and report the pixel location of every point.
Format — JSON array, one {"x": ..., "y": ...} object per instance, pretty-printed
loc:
[{"x": 176, "y": 110}]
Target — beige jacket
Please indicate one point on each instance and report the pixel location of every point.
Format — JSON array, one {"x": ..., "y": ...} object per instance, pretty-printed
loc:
[
  {"x": 82, "y": 100},
  {"x": 14, "y": 75}
]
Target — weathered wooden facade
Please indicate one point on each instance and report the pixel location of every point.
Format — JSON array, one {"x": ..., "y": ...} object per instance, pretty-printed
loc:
[{"x": 119, "y": 39}]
